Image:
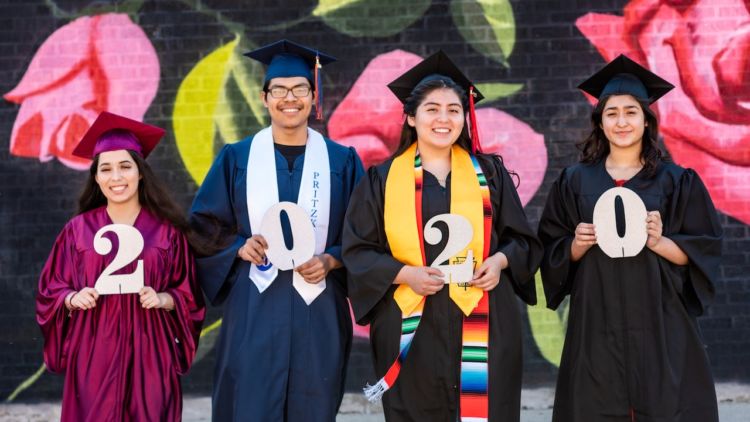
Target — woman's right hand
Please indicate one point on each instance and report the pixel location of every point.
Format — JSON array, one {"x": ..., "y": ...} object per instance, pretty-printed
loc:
[
  {"x": 84, "y": 298},
  {"x": 254, "y": 250},
  {"x": 585, "y": 238},
  {"x": 424, "y": 281}
]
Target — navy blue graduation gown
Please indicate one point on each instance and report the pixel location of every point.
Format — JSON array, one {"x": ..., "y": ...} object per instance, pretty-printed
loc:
[
  {"x": 633, "y": 350},
  {"x": 277, "y": 359}
]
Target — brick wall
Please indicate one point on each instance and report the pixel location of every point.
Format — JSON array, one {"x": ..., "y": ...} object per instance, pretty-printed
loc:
[{"x": 553, "y": 50}]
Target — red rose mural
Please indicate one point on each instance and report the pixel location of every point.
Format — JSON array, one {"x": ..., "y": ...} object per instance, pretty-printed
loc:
[
  {"x": 370, "y": 118},
  {"x": 705, "y": 121},
  {"x": 92, "y": 64}
]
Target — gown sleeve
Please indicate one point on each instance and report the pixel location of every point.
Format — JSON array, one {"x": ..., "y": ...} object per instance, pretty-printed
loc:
[
  {"x": 557, "y": 231},
  {"x": 353, "y": 172},
  {"x": 367, "y": 258},
  {"x": 212, "y": 216},
  {"x": 55, "y": 283},
  {"x": 694, "y": 226},
  {"x": 516, "y": 238},
  {"x": 189, "y": 311}
]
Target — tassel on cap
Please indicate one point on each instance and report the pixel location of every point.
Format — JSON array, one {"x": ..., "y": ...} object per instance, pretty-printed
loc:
[
  {"x": 475, "y": 146},
  {"x": 318, "y": 88}
]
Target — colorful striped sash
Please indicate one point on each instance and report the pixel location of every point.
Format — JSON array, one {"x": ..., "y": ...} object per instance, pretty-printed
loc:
[{"x": 470, "y": 198}]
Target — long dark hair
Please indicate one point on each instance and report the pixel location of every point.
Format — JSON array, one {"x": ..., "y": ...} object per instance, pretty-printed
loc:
[
  {"x": 418, "y": 94},
  {"x": 152, "y": 194},
  {"x": 595, "y": 147}
]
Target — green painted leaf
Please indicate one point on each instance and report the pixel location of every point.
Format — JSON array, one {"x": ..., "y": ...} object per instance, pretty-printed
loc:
[
  {"x": 495, "y": 90},
  {"x": 370, "y": 18},
  {"x": 548, "y": 327},
  {"x": 488, "y": 25}
]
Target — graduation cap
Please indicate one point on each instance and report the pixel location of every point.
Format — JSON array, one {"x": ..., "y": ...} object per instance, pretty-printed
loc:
[
  {"x": 439, "y": 66},
  {"x": 624, "y": 76},
  {"x": 112, "y": 132},
  {"x": 286, "y": 59}
]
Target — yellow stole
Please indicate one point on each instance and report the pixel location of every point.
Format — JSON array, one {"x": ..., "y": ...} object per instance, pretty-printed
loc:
[{"x": 401, "y": 222}]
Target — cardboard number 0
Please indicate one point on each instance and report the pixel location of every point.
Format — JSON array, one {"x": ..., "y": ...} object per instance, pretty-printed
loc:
[
  {"x": 605, "y": 221},
  {"x": 131, "y": 246},
  {"x": 302, "y": 232}
]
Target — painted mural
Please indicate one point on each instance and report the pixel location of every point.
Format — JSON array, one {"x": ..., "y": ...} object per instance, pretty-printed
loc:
[
  {"x": 705, "y": 121},
  {"x": 116, "y": 57}
]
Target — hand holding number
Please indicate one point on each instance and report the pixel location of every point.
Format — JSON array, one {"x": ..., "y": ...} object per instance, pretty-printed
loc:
[
  {"x": 424, "y": 281},
  {"x": 84, "y": 299},
  {"x": 487, "y": 276},
  {"x": 585, "y": 235},
  {"x": 150, "y": 299},
  {"x": 585, "y": 238},
  {"x": 254, "y": 250},
  {"x": 654, "y": 228},
  {"x": 315, "y": 270}
]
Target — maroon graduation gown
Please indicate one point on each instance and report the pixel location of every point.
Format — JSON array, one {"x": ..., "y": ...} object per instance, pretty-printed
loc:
[{"x": 121, "y": 362}]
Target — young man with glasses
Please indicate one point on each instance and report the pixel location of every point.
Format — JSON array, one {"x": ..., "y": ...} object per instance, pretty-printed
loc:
[{"x": 286, "y": 331}]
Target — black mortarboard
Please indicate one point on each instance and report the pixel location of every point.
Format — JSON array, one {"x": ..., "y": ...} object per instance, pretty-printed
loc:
[
  {"x": 624, "y": 76},
  {"x": 433, "y": 67},
  {"x": 287, "y": 59},
  {"x": 439, "y": 66}
]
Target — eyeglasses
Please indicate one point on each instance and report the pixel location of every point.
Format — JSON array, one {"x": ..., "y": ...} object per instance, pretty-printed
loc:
[{"x": 282, "y": 91}]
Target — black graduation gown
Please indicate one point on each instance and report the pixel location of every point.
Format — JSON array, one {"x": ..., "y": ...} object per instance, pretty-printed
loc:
[
  {"x": 633, "y": 349},
  {"x": 277, "y": 359},
  {"x": 427, "y": 388}
]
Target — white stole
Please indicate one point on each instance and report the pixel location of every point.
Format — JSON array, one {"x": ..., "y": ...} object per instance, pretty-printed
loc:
[{"x": 314, "y": 197}]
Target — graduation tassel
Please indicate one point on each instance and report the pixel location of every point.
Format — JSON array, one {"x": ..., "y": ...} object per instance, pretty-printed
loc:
[
  {"x": 318, "y": 89},
  {"x": 375, "y": 392},
  {"x": 475, "y": 147}
]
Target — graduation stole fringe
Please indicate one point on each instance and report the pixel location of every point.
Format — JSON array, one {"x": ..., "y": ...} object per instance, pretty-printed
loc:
[{"x": 470, "y": 198}]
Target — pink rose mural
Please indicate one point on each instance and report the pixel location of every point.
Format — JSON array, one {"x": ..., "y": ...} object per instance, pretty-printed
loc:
[
  {"x": 370, "y": 118},
  {"x": 92, "y": 64},
  {"x": 705, "y": 121}
]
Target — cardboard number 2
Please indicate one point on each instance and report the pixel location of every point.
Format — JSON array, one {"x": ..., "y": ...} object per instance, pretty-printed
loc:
[
  {"x": 131, "y": 246},
  {"x": 605, "y": 222},
  {"x": 460, "y": 234}
]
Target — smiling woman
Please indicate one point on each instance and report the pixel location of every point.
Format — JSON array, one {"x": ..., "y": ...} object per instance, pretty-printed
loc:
[
  {"x": 632, "y": 323},
  {"x": 89, "y": 324},
  {"x": 439, "y": 173},
  {"x": 117, "y": 176}
]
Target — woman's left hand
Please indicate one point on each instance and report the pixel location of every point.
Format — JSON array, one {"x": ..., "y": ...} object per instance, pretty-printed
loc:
[
  {"x": 152, "y": 300},
  {"x": 654, "y": 228},
  {"x": 487, "y": 276}
]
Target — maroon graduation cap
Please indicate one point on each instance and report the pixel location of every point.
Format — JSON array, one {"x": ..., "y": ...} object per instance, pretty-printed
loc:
[{"x": 111, "y": 132}]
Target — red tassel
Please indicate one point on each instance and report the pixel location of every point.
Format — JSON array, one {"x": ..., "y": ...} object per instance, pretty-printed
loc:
[
  {"x": 475, "y": 147},
  {"x": 318, "y": 96}
]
